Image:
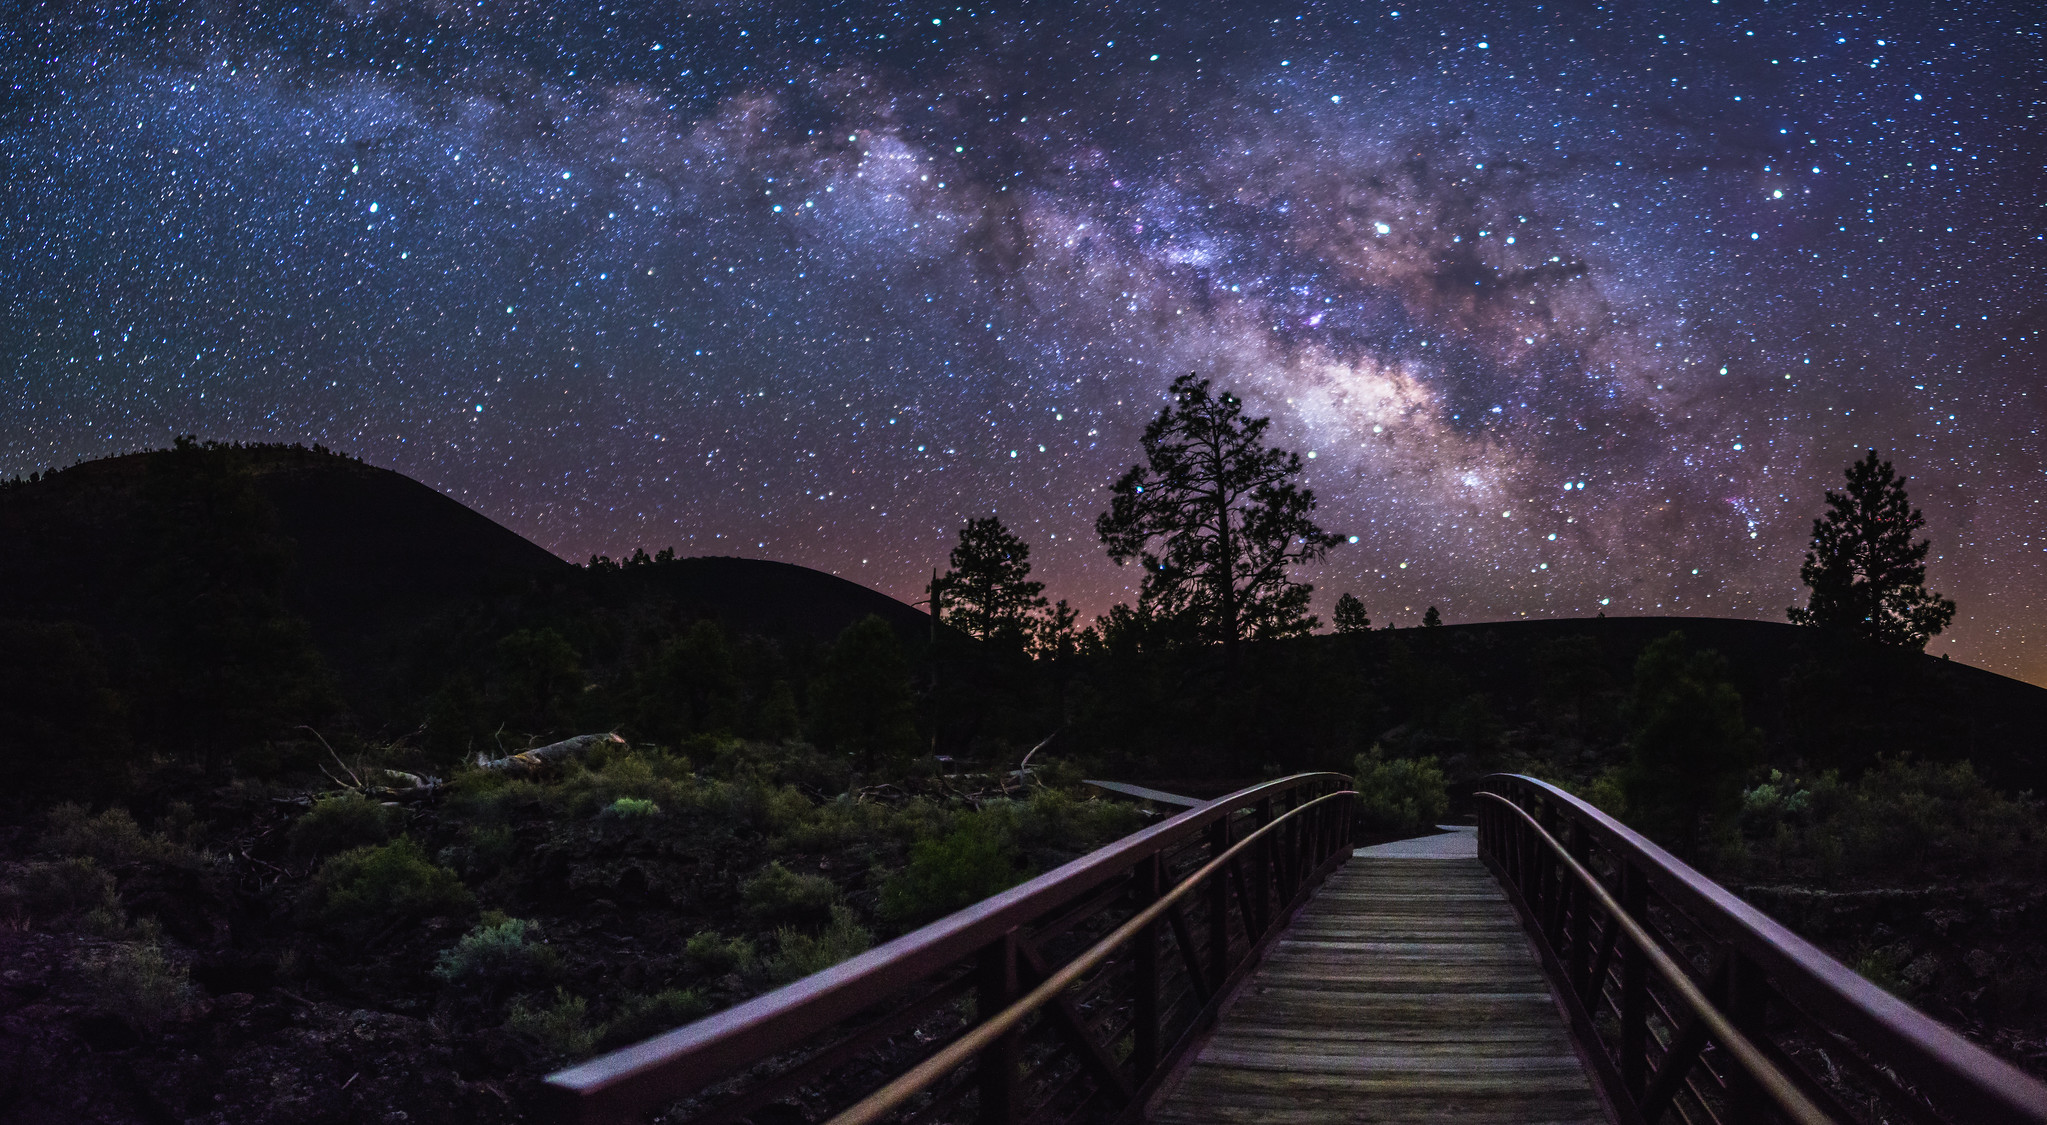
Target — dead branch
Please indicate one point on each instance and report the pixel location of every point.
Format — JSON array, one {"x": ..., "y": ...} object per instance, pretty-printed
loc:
[{"x": 530, "y": 760}]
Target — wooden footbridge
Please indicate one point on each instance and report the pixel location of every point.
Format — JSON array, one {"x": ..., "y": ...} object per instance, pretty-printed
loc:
[{"x": 1242, "y": 962}]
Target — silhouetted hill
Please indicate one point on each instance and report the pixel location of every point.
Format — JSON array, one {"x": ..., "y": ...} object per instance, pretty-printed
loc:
[
  {"x": 774, "y": 599},
  {"x": 1818, "y": 699},
  {"x": 369, "y": 546}
]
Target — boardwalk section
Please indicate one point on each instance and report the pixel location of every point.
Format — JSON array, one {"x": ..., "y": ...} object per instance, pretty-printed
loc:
[{"x": 1405, "y": 991}]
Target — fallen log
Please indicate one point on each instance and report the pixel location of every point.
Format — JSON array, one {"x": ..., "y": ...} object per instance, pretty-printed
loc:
[{"x": 539, "y": 756}]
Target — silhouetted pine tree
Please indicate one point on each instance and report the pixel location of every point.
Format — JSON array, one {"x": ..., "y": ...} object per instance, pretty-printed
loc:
[{"x": 1867, "y": 576}]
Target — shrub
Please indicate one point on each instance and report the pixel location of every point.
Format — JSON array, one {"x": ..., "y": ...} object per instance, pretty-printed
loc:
[
  {"x": 135, "y": 981},
  {"x": 709, "y": 954},
  {"x": 562, "y": 1027},
  {"x": 631, "y": 808},
  {"x": 1052, "y": 820},
  {"x": 640, "y": 1017},
  {"x": 111, "y": 837},
  {"x": 799, "y": 954},
  {"x": 491, "y": 847},
  {"x": 498, "y": 951},
  {"x": 56, "y": 889},
  {"x": 348, "y": 821},
  {"x": 1901, "y": 820},
  {"x": 956, "y": 870},
  {"x": 777, "y": 894},
  {"x": 366, "y": 890},
  {"x": 1400, "y": 795}
]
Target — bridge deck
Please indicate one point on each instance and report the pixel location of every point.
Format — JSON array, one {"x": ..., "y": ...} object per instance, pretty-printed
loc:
[{"x": 1405, "y": 991}]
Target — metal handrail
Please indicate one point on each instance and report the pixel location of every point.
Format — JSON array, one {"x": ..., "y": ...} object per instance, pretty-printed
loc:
[
  {"x": 1780, "y": 1088},
  {"x": 638, "y": 1079},
  {"x": 1960, "y": 1079},
  {"x": 883, "y": 1101}
]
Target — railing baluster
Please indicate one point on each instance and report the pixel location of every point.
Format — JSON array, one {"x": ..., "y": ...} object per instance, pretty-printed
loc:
[
  {"x": 1145, "y": 1019},
  {"x": 1219, "y": 907},
  {"x": 1748, "y": 998},
  {"x": 996, "y": 1069},
  {"x": 1634, "y": 898},
  {"x": 1261, "y": 870},
  {"x": 1581, "y": 959}
]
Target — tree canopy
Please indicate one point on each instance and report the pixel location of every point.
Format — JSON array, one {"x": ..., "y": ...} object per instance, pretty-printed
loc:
[
  {"x": 1216, "y": 518},
  {"x": 1867, "y": 576},
  {"x": 988, "y": 593}
]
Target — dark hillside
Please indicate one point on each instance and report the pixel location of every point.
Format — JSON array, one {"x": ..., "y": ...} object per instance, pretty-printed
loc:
[
  {"x": 774, "y": 599},
  {"x": 369, "y": 545},
  {"x": 1819, "y": 701}
]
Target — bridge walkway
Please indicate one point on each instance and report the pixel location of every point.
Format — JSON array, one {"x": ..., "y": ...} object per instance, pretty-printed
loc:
[{"x": 1405, "y": 991}]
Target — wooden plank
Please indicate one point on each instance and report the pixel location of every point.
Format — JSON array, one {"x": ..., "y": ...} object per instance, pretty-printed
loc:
[{"x": 1404, "y": 992}]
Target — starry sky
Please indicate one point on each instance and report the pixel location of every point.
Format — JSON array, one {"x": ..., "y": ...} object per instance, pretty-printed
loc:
[{"x": 1574, "y": 307}]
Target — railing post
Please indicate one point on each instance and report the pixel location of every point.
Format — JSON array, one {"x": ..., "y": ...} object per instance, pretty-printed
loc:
[
  {"x": 1634, "y": 898},
  {"x": 1261, "y": 870},
  {"x": 1145, "y": 1030},
  {"x": 995, "y": 1071},
  {"x": 1219, "y": 907},
  {"x": 1748, "y": 999},
  {"x": 1581, "y": 922}
]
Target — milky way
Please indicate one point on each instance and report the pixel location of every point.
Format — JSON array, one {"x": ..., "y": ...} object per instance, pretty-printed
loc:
[{"x": 1575, "y": 308}]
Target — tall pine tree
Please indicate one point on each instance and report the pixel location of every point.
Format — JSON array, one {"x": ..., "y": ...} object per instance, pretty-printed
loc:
[
  {"x": 1216, "y": 518},
  {"x": 1867, "y": 576}
]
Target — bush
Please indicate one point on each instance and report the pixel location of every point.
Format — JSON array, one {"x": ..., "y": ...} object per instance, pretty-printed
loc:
[
  {"x": 562, "y": 1028},
  {"x": 799, "y": 954},
  {"x": 641, "y": 1017},
  {"x": 491, "y": 847},
  {"x": 366, "y": 890},
  {"x": 1401, "y": 795},
  {"x": 954, "y": 871},
  {"x": 53, "y": 890},
  {"x": 1901, "y": 820},
  {"x": 135, "y": 981},
  {"x": 777, "y": 894},
  {"x": 348, "y": 821},
  {"x": 709, "y": 954},
  {"x": 497, "y": 952},
  {"x": 631, "y": 808},
  {"x": 112, "y": 837}
]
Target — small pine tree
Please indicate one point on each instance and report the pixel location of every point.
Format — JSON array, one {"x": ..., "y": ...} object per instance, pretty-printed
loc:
[
  {"x": 1690, "y": 747},
  {"x": 1350, "y": 615},
  {"x": 1432, "y": 618},
  {"x": 861, "y": 705},
  {"x": 988, "y": 593},
  {"x": 1867, "y": 576}
]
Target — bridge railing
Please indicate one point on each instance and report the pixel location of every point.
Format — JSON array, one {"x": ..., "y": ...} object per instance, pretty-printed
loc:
[
  {"x": 1695, "y": 1005},
  {"x": 1067, "y": 998}
]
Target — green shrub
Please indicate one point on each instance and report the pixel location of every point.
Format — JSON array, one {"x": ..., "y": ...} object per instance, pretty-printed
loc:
[
  {"x": 51, "y": 890},
  {"x": 348, "y": 821},
  {"x": 497, "y": 952},
  {"x": 1903, "y": 820},
  {"x": 491, "y": 846},
  {"x": 1401, "y": 795},
  {"x": 709, "y": 954},
  {"x": 798, "y": 954},
  {"x": 112, "y": 837},
  {"x": 135, "y": 981},
  {"x": 641, "y": 1017},
  {"x": 631, "y": 808},
  {"x": 1053, "y": 821},
  {"x": 777, "y": 894},
  {"x": 562, "y": 1028},
  {"x": 954, "y": 871},
  {"x": 366, "y": 890}
]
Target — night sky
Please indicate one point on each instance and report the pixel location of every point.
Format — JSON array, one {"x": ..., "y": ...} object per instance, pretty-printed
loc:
[{"x": 1575, "y": 307}]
